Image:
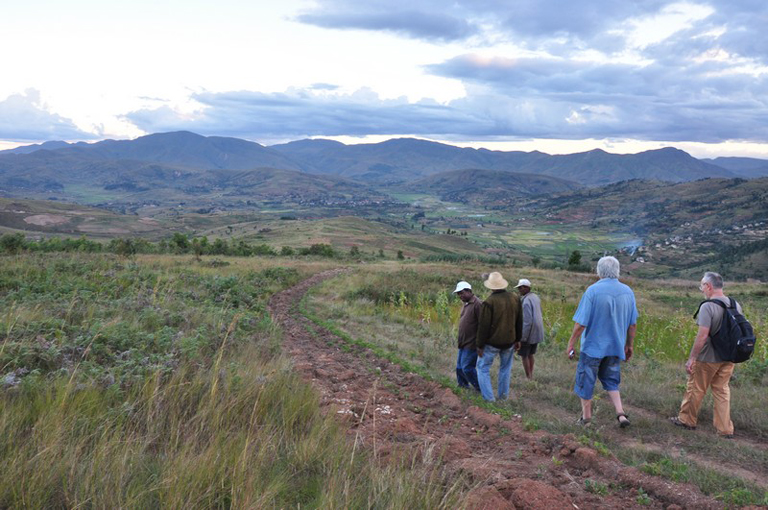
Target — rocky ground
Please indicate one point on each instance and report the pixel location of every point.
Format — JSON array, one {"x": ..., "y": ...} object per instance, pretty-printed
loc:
[{"x": 394, "y": 414}]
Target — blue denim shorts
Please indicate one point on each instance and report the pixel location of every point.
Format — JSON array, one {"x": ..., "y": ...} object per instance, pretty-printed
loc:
[{"x": 607, "y": 369}]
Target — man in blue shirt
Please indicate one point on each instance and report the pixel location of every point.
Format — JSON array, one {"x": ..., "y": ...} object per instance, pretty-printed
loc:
[{"x": 606, "y": 321}]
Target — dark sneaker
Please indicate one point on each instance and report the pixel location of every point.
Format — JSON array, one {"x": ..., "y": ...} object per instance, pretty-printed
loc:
[{"x": 677, "y": 423}]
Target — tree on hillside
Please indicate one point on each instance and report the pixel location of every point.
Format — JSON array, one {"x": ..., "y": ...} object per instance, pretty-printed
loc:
[
  {"x": 180, "y": 243},
  {"x": 574, "y": 260}
]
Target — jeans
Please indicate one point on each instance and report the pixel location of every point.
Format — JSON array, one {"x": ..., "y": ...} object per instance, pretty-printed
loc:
[
  {"x": 506, "y": 357},
  {"x": 466, "y": 374}
]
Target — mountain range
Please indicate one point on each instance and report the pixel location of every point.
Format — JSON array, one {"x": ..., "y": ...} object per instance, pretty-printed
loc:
[{"x": 164, "y": 158}]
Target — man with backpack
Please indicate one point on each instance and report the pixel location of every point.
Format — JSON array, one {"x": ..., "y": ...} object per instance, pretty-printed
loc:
[{"x": 710, "y": 364}]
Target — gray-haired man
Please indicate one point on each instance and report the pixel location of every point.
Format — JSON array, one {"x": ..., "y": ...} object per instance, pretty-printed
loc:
[
  {"x": 705, "y": 368},
  {"x": 605, "y": 321}
]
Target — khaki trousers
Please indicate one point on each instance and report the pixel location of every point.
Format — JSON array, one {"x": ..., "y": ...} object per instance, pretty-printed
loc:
[{"x": 705, "y": 375}]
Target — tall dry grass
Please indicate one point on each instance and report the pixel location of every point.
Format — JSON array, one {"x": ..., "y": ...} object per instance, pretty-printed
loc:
[{"x": 164, "y": 387}]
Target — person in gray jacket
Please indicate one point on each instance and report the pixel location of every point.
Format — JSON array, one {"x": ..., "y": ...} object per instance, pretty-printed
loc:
[{"x": 533, "y": 326}]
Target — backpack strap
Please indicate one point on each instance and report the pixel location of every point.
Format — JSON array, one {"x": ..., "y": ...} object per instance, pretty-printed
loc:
[{"x": 711, "y": 301}]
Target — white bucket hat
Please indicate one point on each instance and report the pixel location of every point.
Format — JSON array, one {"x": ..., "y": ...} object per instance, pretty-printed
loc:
[
  {"x": 495, "y": 281},
  {"x": 462, "y": 285}
]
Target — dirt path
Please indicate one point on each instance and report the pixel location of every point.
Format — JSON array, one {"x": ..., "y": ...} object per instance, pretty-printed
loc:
[{"x": 396, "y": 414}]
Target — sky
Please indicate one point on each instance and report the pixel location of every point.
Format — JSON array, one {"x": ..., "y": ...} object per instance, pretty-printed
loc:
[{"x": 558, "y": 76}]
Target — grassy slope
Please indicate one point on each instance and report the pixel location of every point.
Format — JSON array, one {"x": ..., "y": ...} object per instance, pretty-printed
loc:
[
  {"x": 347, "y": 231},
  {"x": 158, "y": 382},
  {"x": 52, "y": 217},
  {"x": 408, "y": 312}
]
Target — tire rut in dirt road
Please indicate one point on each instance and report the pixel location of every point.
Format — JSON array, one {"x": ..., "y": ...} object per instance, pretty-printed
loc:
[{"x": 397, "y": 415}]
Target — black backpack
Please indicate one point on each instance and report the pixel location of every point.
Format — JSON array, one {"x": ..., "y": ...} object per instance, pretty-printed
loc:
[{"x": 735, "y": 341}]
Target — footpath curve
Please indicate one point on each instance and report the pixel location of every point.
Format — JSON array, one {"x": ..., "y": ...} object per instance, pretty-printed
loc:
[{"x": 396, "y": 414}]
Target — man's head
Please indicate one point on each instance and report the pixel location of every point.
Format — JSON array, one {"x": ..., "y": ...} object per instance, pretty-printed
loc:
[
  {"x": 523, "y": 286},
  {"x": 464, "y": 291},
  {"x": 711, "y": 284},
  {"x": 608, "y": 267}
]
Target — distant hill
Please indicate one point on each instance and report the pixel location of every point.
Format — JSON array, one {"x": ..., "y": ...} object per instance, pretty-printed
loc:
[
  {"x": 168, "y": 169},
  {"x": 50, "y": 217},
  {"x": 391, "y": 162},
  {"x": 406, "y": 159},
  {"x": 660, "y": 208},
  {"x": 51, "y": 145},
  {"x": 488, "y": 187},
  {"x": 179, "y": 149},
  {"x": 398, "y": 160},
  {"x": 710, "y": 224},
  {"x": 748, "y": 168},
  {"x": 598, "y": 167},
  {"x": 343, "y": 232}
]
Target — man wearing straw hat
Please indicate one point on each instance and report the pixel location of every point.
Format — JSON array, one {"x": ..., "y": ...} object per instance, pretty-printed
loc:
[{"x": 499, "y": 329}]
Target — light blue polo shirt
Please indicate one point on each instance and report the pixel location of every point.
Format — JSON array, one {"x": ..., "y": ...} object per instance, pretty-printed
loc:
[{"x": 606, "y": 309}]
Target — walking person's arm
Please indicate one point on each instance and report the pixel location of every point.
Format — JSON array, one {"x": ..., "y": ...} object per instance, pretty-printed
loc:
[
  {"x": 527, "y": 321},
  {"x": 484, "y": 327},
  {"x": 698, "y": 345},
  {"x": 519, "y": 326},
  {"x": 578, "y": 329},
  {"x": 629, "y": 346}
]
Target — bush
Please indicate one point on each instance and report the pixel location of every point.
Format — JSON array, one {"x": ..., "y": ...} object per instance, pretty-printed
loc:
[
  {"x": 321, "y": 250},
  {"x": 12, "y": 243}
]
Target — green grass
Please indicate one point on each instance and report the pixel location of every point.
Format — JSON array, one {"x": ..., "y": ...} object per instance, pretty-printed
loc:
[
  {"x": 408, "y": 316},
  {"x": 158, "y": 383}
]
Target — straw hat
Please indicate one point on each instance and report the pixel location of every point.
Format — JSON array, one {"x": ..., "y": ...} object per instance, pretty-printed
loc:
[{"x": 495, "y": 281}]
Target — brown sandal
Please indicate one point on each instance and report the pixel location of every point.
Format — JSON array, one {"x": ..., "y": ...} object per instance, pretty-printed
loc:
[{"x": 623, "y": 424}]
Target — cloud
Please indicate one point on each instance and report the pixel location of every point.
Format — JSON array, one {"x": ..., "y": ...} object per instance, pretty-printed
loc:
[
  {"x": 651, "y": 70},
  {"x": 301, "y": 113},
  {"x": 431, "y": 24},
  {"x": 528, "y": 98},
  {"x": 23, "y": 117},
  {"x": 324, "y": 86},
  {"x": 703, "y": 101},
  {"x": 558, "y": 27}
]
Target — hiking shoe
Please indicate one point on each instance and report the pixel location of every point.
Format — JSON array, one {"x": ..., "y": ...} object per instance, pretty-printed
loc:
[
  {"x": 677, "y": 423},
  {"x": 583, "y": 422}
]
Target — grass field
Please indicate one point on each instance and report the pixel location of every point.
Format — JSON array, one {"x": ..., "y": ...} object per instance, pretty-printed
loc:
[
  {"x": 409, "y": 312},
  {"x": 158, "y": 382}
]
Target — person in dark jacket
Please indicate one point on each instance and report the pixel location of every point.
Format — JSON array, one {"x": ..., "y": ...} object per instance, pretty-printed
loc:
[
  {"x": 466, "y": 374},
  {"x": 498, "y": 333}
]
